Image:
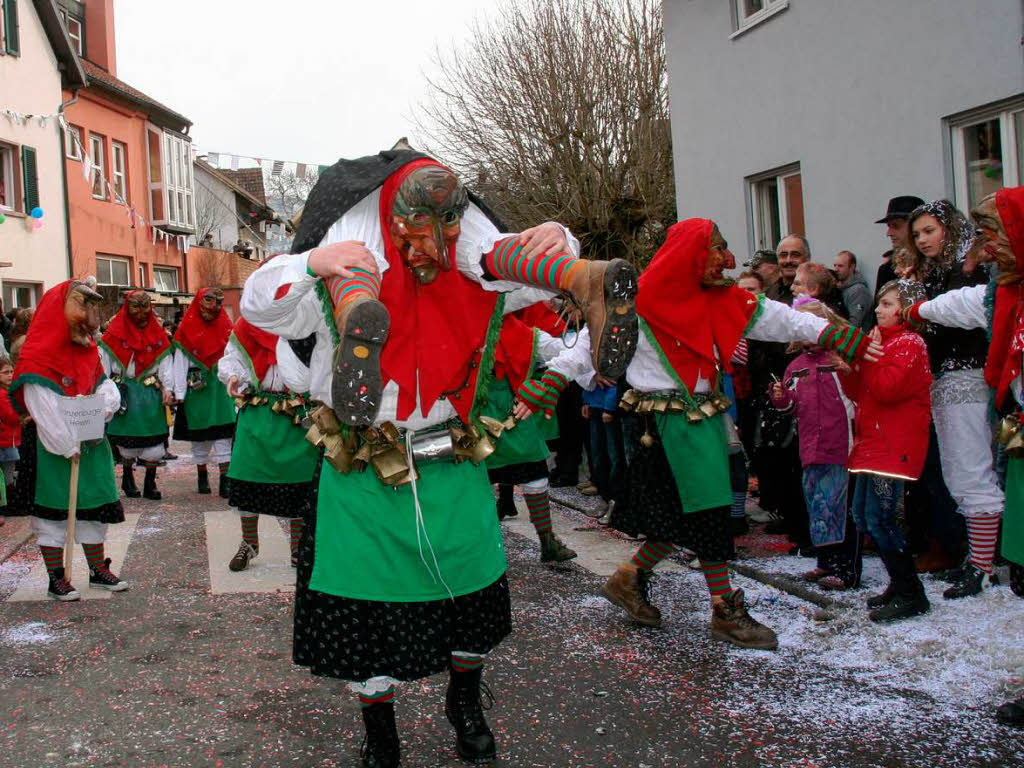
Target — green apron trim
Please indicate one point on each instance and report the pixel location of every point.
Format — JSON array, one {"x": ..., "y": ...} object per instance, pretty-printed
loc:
[
  {"x": 522, "y": 445},
  {"x": 246, "y": 359},
  {"x": 42, "y": 381},
  {"x": 1013, "y": 516},
  {"x": 96, "y": 484},
  {"x": 327, "y": 306},
  {"x": 485, "y": 372},
  {"x": 758, "y": 311},
  {"x": 152, "y": 366},
  {"x": 366, "y": 535},
  {"x": 144, "y": 416},
  {"x": 698, "y": 454},
  {"x": 270, "y": 448}
]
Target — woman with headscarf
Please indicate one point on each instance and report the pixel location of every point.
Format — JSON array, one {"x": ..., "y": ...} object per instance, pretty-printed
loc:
[
  {"x": 60, "y": 360},
  {"x": 943, "y": 237},
  {"x": 272, "y": 463},
  {"x": 206, "y": 413},
  {"x": 136, "y": 353},
  {"x": 999, "y": 308}
]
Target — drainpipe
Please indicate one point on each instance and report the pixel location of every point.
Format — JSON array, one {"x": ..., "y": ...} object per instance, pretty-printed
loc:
[{"x": 64, "y": 179}]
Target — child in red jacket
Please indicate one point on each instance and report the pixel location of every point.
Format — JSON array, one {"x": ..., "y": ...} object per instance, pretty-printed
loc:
[
  {"x": 10, "y": 430},
  {"x": 890, "y": 442}
]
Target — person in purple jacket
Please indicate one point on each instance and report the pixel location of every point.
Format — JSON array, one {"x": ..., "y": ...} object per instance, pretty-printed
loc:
[{"x": 811, "y": 389}]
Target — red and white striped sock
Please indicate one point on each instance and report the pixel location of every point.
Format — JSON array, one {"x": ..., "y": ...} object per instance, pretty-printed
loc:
[{"x": 982, "y": 533}]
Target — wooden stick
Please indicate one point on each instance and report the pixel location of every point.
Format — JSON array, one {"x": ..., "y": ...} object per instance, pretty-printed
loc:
[{"x": 69, "y": 537}]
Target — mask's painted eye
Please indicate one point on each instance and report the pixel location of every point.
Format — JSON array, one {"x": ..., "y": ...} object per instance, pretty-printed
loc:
[
  {"x": 419, "y": 220},
  {"x": 450, "y": 219}
]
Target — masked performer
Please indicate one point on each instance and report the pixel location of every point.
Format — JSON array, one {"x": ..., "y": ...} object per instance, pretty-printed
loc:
[
  {"x": 60, "y": 359},
  {"x": 521, "y": 455},
  {"x": 206, "y": 414},
  {"x": 136, "y": 354},
  {"x": 942, "y": 237},
  {"x": 272, "y": 463},
  {"x": 401, "y": 569},
  {"x": 999, "y": 308},
  {"x": 691, "y": 319}
]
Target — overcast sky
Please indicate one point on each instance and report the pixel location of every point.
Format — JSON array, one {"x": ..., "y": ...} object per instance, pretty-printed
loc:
[{"x": 300, "y": 80}]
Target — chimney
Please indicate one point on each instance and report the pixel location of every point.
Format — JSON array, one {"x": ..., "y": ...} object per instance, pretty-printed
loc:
[{"x": 100, "y": 47}]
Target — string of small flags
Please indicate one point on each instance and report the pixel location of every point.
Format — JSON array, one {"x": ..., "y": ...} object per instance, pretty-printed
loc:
[{"x": 270, "y": 166}]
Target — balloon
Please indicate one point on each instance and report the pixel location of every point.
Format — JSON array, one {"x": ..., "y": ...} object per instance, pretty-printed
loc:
[
  {"x": 2, "y": 217},
  {"x": 37, "y": 213}
]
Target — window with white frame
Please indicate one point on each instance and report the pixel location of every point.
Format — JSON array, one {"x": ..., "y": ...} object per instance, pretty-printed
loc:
[
  {"x": 73, "y": 142},
  {"x": 170, "y": 179},
  {"x": 8, "y": 191},
  {"x": 99, "y": 166},
  {"x": 19, "y": 295},
  {"x": 165, "y": 279},
  {"x": 776, "y": 203},
  {"x": 118, "y": 171},
  {"x": 747, "y": 13},
  {"x": 74, "y": 26},
  {"x": 111, "y": 270},
  {"x": 987, "y": 151}
]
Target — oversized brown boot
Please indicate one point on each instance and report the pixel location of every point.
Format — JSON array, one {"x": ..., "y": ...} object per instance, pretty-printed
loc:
[
  {"x": 627, "y": 588},
  {"x": 553, "y": 549},
  {"x": 357, "y": 385},
  {"x": 606, "y": 293},
  {"x": 731, "y": 622}
]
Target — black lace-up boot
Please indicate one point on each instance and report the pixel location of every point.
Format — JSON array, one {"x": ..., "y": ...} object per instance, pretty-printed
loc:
[
  {"x": 128, "y": 481},
  {"x": 464, "y": 709},
  {"x": 381, "y": 747}
]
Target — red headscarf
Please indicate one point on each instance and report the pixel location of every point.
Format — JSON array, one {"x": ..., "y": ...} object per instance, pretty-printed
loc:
[
  {"x": 50, "y": 354},
  {"x": 1006, "y": 349},
  {"x": 125, "y": 340},
  {"x": 260, "y": 345},
  {"x": 688, "y": 319},
  {"x": 437, "y": 329},
  {"x": 202, "y": 340}
]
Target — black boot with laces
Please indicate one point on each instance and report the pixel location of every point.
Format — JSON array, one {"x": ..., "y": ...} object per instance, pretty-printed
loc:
[
  {"x": 381, "y": 747},
  {"x": 971, "y": 582},
  {"x": 131, "y": 490},
  {"x": 465, "y": 710}
]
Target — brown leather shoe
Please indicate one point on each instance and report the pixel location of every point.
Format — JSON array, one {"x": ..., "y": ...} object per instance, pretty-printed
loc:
[
  {"x": 243, "y": 556},
  {"x": 357, "y": 385},
  {"x": 606, "y": 292},
  {"x": 553, "y": 549},
  {"x": 731, "y": 622},
  {"x": 627, "y": 588}
]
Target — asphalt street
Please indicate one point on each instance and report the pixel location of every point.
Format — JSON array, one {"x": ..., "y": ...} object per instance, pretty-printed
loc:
[{"x": 191, "y": 668}]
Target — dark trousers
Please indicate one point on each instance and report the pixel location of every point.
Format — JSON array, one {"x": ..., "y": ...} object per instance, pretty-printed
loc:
[
  {"x": 931, "y": 512},
  {"x": 607, "y": 455},
  {"x": 844, "y": 559},
  {"x": 572, "y": 433},
  {"x": 780, "y": 477}
]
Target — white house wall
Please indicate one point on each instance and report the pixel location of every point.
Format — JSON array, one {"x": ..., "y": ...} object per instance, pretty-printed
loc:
[{"x": 853, "y": 91}]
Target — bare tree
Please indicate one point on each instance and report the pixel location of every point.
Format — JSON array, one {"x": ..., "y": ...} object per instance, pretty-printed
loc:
[
  {"x": 558, "y": 109},
  {"x": 211, "y": 213},
  {"x": 287, "y": 192}
]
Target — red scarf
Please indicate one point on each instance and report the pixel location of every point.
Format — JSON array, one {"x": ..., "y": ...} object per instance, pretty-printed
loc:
[
  {"x": 688, "y": 319},
  {"x": 259, "y": 345},
  {"x": 437, "y": 330},
  {"x": 202, "y": 340},
  {"x": 1006, "y": 349},
  {"x": 541, "y": 316},
  {"x": 126, "y": 340},
  {"x": 49, "y": 352}
]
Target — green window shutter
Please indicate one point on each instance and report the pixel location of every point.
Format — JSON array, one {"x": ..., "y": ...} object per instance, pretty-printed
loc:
[
  {"x": 30, "y": 176},
  {"x": 11, "y": 26}
]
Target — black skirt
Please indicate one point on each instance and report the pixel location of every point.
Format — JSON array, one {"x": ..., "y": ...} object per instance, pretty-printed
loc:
[
  {"x": 651, "y": 508},
  {"x": 182, "y": 432},
  {"x": 514, "y": 474},
  {"x": 21, "y": 498},
  {"x": 124, "y": 441},
  {"x": 358, "y": 639},
  {"x": 277, "y": 499}
]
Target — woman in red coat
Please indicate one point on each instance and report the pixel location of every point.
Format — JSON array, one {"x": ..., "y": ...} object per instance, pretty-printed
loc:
[{"x": 890, "y": 444}]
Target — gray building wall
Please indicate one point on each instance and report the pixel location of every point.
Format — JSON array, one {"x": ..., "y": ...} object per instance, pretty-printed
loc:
[{"x": 853, "y": 91}]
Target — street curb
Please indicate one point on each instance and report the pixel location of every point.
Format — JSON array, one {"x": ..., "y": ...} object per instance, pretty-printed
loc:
[{"x": 6, "y": 554}]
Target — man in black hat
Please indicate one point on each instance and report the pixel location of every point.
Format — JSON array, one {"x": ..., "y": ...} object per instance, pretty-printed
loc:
[
  {"x": 766, "y": 264},
  {"x": 897, "y": 229}
]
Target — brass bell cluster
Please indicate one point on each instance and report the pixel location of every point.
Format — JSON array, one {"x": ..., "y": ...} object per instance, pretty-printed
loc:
[
  {"x": 647, "y": 402},
  {"x": 153, "y": 382},
  {"x": 1010, "y": 435}
]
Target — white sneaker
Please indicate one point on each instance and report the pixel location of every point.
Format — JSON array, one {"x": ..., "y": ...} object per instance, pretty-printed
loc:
[
  {"x": 761, "y": 516},
  {"x": 606, "y": 517}
]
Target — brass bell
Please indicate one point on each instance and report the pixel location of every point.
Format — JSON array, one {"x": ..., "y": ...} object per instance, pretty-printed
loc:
[
  {"x": 1007, "y": 429},
  {"x": 1015, "y": 447},
  {"x": 647, "y": 440},
  {"x": 708, "y": 408},
  {"x": 694, "y": 416}
]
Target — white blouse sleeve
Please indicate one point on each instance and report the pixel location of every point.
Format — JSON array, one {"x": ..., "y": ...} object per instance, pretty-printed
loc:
[
  {"x": 166, "y": 372},
  {"x": 294, "y": 315},
  {"x": 179, "y": 373},
  {"x": 111, "y": 397},
  {"x": 296, "y": 375},
  {"x": 44, "y": 407},
  {"x": 962, "y": 308},
  {"x": 234, "y": 364},
  {"x": 574, "y": 362},
  {"x": 779, "y": 322}
]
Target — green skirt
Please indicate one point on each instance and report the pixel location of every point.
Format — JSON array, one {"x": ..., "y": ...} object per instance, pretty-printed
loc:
[
  {"x": 1013, "y": 517},
  {"x": 523, "y": 445},
  {"x": 98, "y": 497},
  {"x": 699, "y": 457},
  {"x": 270, "y": 448},
  {"x": 369, "y": 545},
  {"x": 210, "y": 406},
  {"x": 144, "y": 413}
]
